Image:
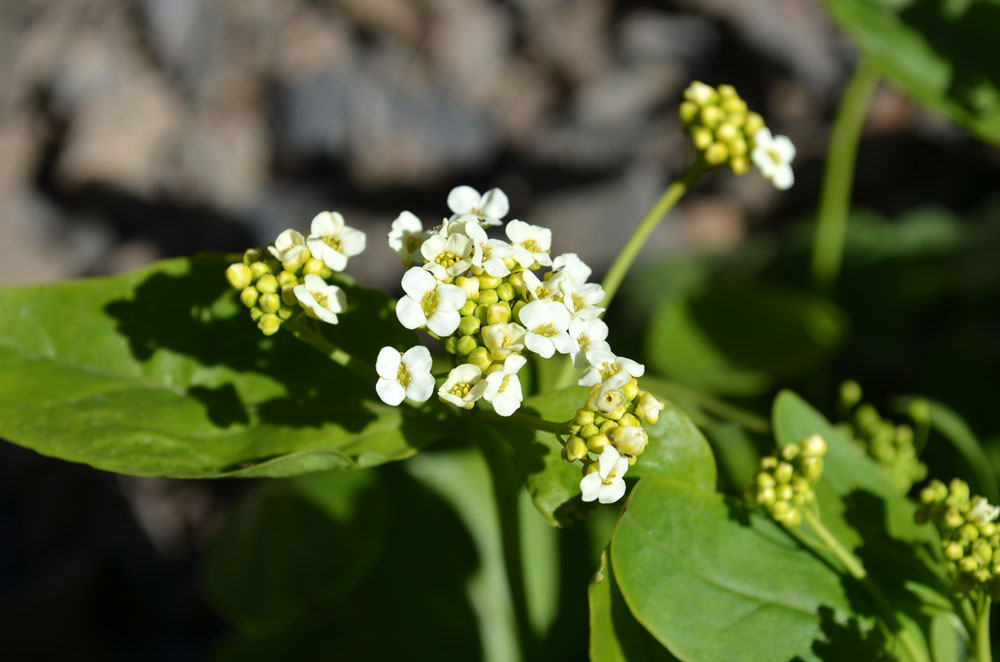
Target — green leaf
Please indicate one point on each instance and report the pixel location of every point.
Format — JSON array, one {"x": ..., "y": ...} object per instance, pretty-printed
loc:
[
  {"x": 712, "y": 581},
  {"x": 946, "y": 422},
  {"x": 940, "y": 52},
  {"x": 740, "y": 339},
  {"x": 160, "y": 372},
  {"x": 615, "y": 635},
  {"x": 676, "y": 448}
]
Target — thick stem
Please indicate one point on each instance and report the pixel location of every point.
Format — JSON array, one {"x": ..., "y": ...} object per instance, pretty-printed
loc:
[
  {"x": 505, "y": 489},
  {"x": 303, "y": 330},
  {"x": 983, "y": 649},
  {"x": 838, "y": 177},
  {"x": 856, "y": 570}
]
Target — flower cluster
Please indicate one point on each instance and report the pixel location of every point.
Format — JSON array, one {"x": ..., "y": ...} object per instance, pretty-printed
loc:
[
  {"x": 294, "y": 271},
  {"x": 891, "y": 446},
  {"x": 490, "y": 302},
  {"x": 970, "y": 537},
  {"x": 609, "y": 426},
  {"x": 785, "y": 482},
  {"x": 724, "y": 131}
]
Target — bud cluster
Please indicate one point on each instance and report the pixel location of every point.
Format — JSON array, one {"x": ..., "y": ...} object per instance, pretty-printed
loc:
[
  {"x": 785, "y": 482},
  {"x": 724, "y": 130},
  {"x": 612, "y": 416},
  {"x": 970, "y": 537},
  {"x": 293, "y": 274},
  {"x": 891, "y": 446}
]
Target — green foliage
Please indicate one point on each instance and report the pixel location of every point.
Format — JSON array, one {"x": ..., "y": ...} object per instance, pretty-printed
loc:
[
  {"x": 154, "y": 373},
  {"x": 740, "y": 339},
  {"x": 941, "y": 52},
  {"x": 676, "y": 448}
]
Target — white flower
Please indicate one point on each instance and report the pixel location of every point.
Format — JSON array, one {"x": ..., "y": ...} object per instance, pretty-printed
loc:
[
  {"x": 649, "y": 408},
  {"x": 503, "y": 339},
  {"x": 606, "y": 484},
  {"x": 503, "y": 388},
  {"x": 629, "y": 439},
  {"x": 464, "y": 386},
  {"x": 446, "y": 257},
  {"x": 319, "y": 299},
  {"x": 606, "y": 397},
  {"x": 290, "y": 249},
  {"x": 404, "y": 375},
  {"x": 547, "y": 325},
  {"x": 773, "y": 157},
  {"x": 429, "y": 303},
  {"x": 531, "y": 243},
  {"x": 605, "y": 366},
  {"x": 572, "y": 266},
  {"x": 332, "y": 241},
  {"x": 581, "y": 299},
  {"x": 406, "y": 235},
  {"x": 489, "y": 254},
  {"x": 489, "y": 207},
  {"x": 589, "y": 334},
  {"x": 981, "y": 512},
  {"x": 537, "y": 289}
]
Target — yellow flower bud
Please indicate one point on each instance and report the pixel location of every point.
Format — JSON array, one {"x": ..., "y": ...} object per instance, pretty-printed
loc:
[
  {"x": 688, "y": 111},
  {"x": 269, "y": 324},
  {"x": 784, "y": 472},
  {"x": 814, "y": 445},
  {"x": 470, "y": 286},
  {"x": 314, "y": 267},
  {"x": 716, "y": 154},
  {"x": 469, "y": 325},
  {"x": 465, "y": 345},
  {"x": 598, "y": 442},
  {"x": 488, "y": 297},
  {"x": 739, "y": 165},
  {"x": 252, "y": 255},
  {"x": 764, "y": 479},
  {"x": 256, "y": 313},
  {"x": 631, "y": 389},
  {"x": 239, "y": 276},
  {"x": 267, "y": 284},
  {"x": 590, "y": 468},
  {"x": 812, "y": 468},
  {"x": 753, "y": 124},
  {"x": 258, "y": 269},
  {"x": 765, "y": 496},
  {"x": 790, "y": 452},
  {"x": 953, "y": 551},
  {"x": 588, "y": 431},
  {"x": 480, "y": 357},
  {"x": 288, "y": 295},
  {"x": 576, "y": 449},
  {"x": 701, "y": 137},
  {"x": 583, "y": 417},
  {"x": 269, "y": 302},
  {"x": 784, "y": 492},
  {"x": 711, "y": 115},
  {"x": 248, "y": 297},
  {"x": 506, "y": 291}
]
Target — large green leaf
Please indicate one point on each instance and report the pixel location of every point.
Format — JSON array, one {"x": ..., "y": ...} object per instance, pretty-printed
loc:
[
  {"x": 676, "y": 448},
  {"x": 740, "y": 339},
  {"x": 160, "y": 372},
  {"x": 615, "y": 635},
  {"x": 713, "y": 582},
  {"x": 941, "y": 52}
]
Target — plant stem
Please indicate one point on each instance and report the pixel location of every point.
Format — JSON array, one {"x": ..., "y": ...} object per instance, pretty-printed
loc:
[
  {"x": 838, "y": 177},
  {"x": 303, "y": 330},
  {"x": 857, "y": 571},
  {"x": 983, "y": 650},
  {"x": 505, "y": 490},
  {"x": 613, "y": 279}
]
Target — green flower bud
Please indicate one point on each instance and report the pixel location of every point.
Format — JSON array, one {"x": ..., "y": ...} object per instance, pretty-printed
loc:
[
  {"x": 629, "y": 420},
  {"x": 468, "y": 309},
  {"x": 769, "y": 463},
  {"x": 711, "y": 115},
  {"x": 469, "y": 285},
  {"x": 764, "y": 479},
  {"x": 953, "y": 519},
  {"x": 784, "y": 492},
  {"x": 716, "y": 154},
  {"x": 792, "y": 518},
  {"x": 737, "y": 147},
  {"x": 588, "y": 431},
  {"x": 608, "y": 427},
  {"x": 267, "y": 284},
  {"x": 287, "y": 279},
  {"x": 480, "y": 357},
  {"x": 269, "y": 324},
  {"x": 469, "y": 325},
  {"x": 753, "y": 123},
  {"x": 314, "y": 267},
  {"x": 269, "y": 302},
  {"x": 576, "y": 449},
  {"x": 727, "y": 131},
  {"x": 506, "y": 292},
  {"x": 790, "y": 452},
  {"x": 248, "y": 297},
  {"x": 850, "y": 393},
  {"x": 784, "y": 472},
  {"x": 451, "y": 345},
  {"x": 702, "y": 138},
  {"x": 465, "y": 345},
  {"x": 631, "y": 389},
  {"x": 498, "y": 312},
  {"x": 488, "y": 282},
  {"x": 285, "y": 312},
  {"x": 583, "y": 417},
  {"x": 739, "y": 165},
  {"x": 258, "y": 269},
  {"x": 735, "y": 107},
  {"x": 488, "y": 297},
  {"x": 953, "y": 551},
  {"x": 688, "y": 111},
  {"x": 598, "y": 442},
  {"x": 812, "y": 468},
  {"x": 617, "y": 413},
  {"x": 252, "y": 255},
  {"x": 765, "y": 496},
  {"x": 288, "y": 295},
  {"x": 814, "y": 446},
  {"x": 780, "y": 509},
  {"x": 482, "y": 312},
  {"x": 968, "y": 564},
  {"x": 516, "y": 311},
  {"x": 590, "y": 468},
  {"x": 239, "y": 276},
  {"x": 256, "y": 313},
  {"x": 983, "y": 551},
  {"x": 958, "y": 491}
]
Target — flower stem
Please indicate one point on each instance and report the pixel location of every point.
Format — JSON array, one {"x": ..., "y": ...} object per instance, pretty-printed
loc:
[
  {"x": 983, "y": 649},
  {"x": 856, "y": 570},
  {"x": 616, "y": 274},
  {"x": 303, "y": 330},
  {"x": 835, "y": 197}
]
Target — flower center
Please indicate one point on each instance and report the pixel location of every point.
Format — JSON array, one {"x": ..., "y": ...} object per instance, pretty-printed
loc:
[
  {"x": 333, "y": 242},
  {"x": 578, "y": 302},
  {"x": 545, "y": 330},
  {"x": 446, "y": 258},
  {"x": 584, "y": 342},
  {"x": 476, "y": 211},
  {"x": 503, "y": 384},
  {"x": 541, "y": 292},
  {"x": 530, "y": 246},
  {"x": 429, "y": 303},
  {"x": 403, "y": 376},
  {"x": 461, "y": 389},
  {"x": 321, "y": 299},
  {"x": 774, "y": 156},
  {"x": 608, "y": 369}
]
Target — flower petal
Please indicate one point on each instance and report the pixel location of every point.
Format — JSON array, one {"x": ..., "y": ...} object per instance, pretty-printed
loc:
[
  {"x": 410, "y": 314},
  {"x": 494, "y": 203},
  {"x": 444, "y": 322},
  {"x": 420, "y": 388},
  {"x": 590, "y": 487},
  {"x": 353, "y": 241},
  {"x": 417, "y": 282},
  {"x": 613, "y": 492},
  {"x": 387, "y": 363},
  {"x": 450, "y": 297},
  {"x": 390, "y": 391},
  {"x": 462, "y": 199},
  {"x": 417, "y": 360}
]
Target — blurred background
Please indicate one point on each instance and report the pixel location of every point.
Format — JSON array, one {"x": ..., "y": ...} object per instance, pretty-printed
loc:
[{"x": 132, "y": 131}]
